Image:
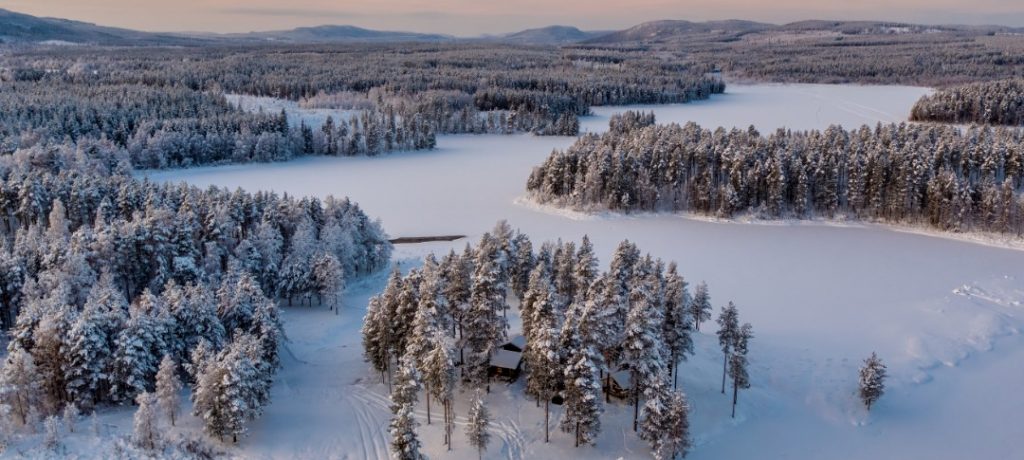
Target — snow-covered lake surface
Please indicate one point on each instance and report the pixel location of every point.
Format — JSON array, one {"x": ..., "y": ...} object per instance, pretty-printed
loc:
[{"x": 944, "y": 314}]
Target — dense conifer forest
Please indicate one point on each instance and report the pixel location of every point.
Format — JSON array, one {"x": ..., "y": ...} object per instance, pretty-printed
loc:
[
  {"x": 936, "y": 176},
  {"x": 996, "y": 102}
]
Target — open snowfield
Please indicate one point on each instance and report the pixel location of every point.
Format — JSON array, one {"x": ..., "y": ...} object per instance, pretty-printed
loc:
[{"x": 944, "y": 314}]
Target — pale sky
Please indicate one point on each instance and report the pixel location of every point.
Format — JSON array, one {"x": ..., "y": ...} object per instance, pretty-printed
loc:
[{"x": 470, "y": 18}]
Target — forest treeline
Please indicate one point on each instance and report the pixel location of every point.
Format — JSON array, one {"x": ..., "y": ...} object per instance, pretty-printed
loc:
[
  {"x": 996, "y": 102},
  {"x": 168, "y": 100},
  {"x": 937, "y": 176}
]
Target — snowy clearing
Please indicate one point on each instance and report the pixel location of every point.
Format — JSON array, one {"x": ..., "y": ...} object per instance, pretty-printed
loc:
[{"x": 945, "y": 315}]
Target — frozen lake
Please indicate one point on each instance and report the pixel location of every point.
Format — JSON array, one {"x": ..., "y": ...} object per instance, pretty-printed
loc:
[{"x": 944, "y": 314}]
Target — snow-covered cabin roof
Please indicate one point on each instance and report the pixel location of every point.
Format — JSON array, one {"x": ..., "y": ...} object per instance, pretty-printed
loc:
[
  {"x": 506, "y": 359},
  {"x": 624, "y": 379},
  {"x": 518, "y": 341}
]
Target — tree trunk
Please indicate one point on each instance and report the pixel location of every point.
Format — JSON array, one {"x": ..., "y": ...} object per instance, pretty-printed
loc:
[
  {"x": 725, "y": 360},
  {"x": 577, "y": 434},
  {"x": 636, "y": 404},
  {"x": 608, "y": 388},
  {"x": 547, "y": 430},
  {"x": 428, "y": 405},
  {"x": 735, "y": 394}
]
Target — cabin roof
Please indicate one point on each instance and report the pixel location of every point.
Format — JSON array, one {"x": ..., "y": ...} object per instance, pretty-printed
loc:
[
  {"x": 518, "y": 341},
  {"x": 624, "y": 379},
  {"x": 506, "y": 359}
]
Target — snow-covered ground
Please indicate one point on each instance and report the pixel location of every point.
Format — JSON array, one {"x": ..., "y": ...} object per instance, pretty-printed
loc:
[
  {"x": 297, "y": 114},
  {"x": 944, "y": 314}
]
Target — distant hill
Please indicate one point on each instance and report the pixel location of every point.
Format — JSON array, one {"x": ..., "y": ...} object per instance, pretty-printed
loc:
[
  {"x": 668, "y": 29},
  {"x": 551, "y": 35},
  {"x": 24, "y": 28},
  {"x": 338, "y": 34}
]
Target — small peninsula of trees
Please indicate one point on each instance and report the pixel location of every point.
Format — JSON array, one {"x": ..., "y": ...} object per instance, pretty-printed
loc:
[
  {"x": 998, "y": 102},
  {"x": 930, "y": 175},
  {"x": 440, "y": 325},
  {"x": 115, "y": 290}
]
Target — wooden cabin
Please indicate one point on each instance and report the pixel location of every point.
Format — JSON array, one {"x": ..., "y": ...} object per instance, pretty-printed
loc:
[
  {"x": 622, "y": 384},
  {"x": 506, "y": 363}
]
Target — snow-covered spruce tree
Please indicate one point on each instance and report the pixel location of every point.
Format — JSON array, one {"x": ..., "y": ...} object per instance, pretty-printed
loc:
[
  {"x": 50, "y": 338},
  {"x": 585, "y": 269},
  {"x": 376, "y": 341},
  {"x": 405, "y": 442},
  {"x": 194, "y": 310},
  {"x": 139, "y": 348},
  {"x": 398, "y": 320},
  {"x": 145, "y": 426},
  {"x": 229, "y": 389},
  {"x": 89, "y": 345},
  {"x": 485, "y": 325},
  {"x": 521, "y": 265},
  {"x": 700, "y": 306},
  {"x": 541, "y": 357},
  {"x": 429, "y": 323},
  {"x": 643, "y": 346},
  {"x": 677, "y": 321},
  {"x": 563, "y": 271},
  {"x": 478, "y": 424},
  {"x": 456, "y": 288},
  {"x": 168, "y": 388},
  {"x": 728, "y": 330},
  {"x": 872, "y": 380},
  {"x": 666, "y": 424},
  {"x": 583, "y": 394},
  {"x": 328, "y": 278},
  {"x": 20, "y": 385},
  {"x": 738, "y": 363},
  {"x": 439, "y": 379}
]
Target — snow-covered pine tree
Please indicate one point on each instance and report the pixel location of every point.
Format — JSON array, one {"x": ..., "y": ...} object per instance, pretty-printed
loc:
[
  {"x": 700, "y": 306},
  {"x": 456, "y": 288},
  {"x": 728, "y": 330},
  {"x": 643, "y": 345},
  {"x": 145, "y": 426},
  {"x": 677, "y": 321},
  {"x": 738, "y": 363},
  {"x": 168, "y": 388},
  {"x": 439, "y": 379},
  {"x": 583, "y": 394},
  {"x": 584, "y": 269},
  {"x": 541, "y": 357},
  {"x": 665, "y": 423},
  {"x": 376, "y": 343},
  {"x": 478, "y": 424},
  {"x": 428, "y": 326},
  {"x": 328, "y": 278},
  {"x": 405, "y": 442},
  {"x": 872, "y": 380},
  {"x": 20, "y": 384},
  {"x": 522, "y": 264},
  {"x": 485, "y": 325},
  {"x": 139, "y": 348}
]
